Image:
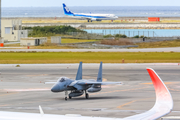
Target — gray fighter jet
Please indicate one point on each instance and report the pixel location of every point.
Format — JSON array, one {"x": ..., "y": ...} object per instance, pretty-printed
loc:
[{"x": 79, "y": 86}]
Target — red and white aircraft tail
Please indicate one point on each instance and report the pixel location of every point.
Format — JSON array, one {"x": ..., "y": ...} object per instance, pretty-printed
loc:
[{"x": 162, "y": 107}]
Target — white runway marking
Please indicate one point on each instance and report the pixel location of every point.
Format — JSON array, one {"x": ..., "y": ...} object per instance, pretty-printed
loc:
[{"x": 25, "y": 90}]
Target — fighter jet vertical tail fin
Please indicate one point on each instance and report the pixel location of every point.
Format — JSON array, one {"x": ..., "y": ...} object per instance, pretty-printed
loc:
[
  {"x": 164, "y": 102},
  {"x": 79, "y": 72},
  {"x": 99, "y": 78}
]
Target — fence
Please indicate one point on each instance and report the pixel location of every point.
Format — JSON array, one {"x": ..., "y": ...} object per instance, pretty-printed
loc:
[
  {"x": 132, "y": 33},
  {"x": 85, "y": 35},
  {"x": 128, "y": 33}
]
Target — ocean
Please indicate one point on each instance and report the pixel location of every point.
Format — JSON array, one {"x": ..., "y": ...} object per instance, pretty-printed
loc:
[{"x": 121, "y": 11}]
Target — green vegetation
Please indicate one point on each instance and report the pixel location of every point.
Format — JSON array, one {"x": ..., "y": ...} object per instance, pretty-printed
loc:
[
  {"x": 50, "y": 30},
  {"x": 116, "y": 36},
  {"x": 108, "y": 36},
  {"x": 87, "y": 57},
  {"x": 137, "y": 36},
  {"x": 77, "y": 40},
  {"x": 120, "y": 36}
]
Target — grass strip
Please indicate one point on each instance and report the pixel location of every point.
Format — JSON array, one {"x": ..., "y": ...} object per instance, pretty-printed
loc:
[
  {"x": 76, "y": 40},
  {"x": 87, "y": 57}
]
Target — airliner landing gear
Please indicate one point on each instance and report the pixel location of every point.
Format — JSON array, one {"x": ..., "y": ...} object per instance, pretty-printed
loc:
[
  {"x": 89, "y": 20},
  {"x": 66, "y": 94},
  {"x": 87, "y": 95}
]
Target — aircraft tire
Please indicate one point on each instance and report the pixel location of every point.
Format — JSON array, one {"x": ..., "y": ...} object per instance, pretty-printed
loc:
[{"x": 87, "y": 96}]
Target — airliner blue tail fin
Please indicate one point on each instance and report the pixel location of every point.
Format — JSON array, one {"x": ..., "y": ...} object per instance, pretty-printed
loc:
[
  {"x": 99, "y": 78},
  {"x": 79, "y": 72},
  {"x": 67, "y": 11}
]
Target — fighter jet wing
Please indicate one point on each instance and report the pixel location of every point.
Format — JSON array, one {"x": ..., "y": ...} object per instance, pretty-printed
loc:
[{"x": 98, "y": 83}]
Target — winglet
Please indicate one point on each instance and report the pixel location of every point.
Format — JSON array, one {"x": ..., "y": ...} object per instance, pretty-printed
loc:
[
  {"x": 99, "y": 77},
  {"x": 164, "y": 101},
  {"x": 41, "y": 111},
  {"x": 79, "y": 72}
]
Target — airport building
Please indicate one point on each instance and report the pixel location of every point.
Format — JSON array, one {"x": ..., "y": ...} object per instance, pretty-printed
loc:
[
  {"x": 11, "y": 30},
  {"x": 31, "y": 41}
]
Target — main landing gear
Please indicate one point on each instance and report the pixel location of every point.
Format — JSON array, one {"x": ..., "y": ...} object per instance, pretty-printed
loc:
[
  {"x": 89, "y": 20},
  {"x": 86, "y": 95}
]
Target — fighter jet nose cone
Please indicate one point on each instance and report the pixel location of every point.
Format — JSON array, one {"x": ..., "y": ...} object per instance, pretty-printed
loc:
[{"x": 55, "y": 88}]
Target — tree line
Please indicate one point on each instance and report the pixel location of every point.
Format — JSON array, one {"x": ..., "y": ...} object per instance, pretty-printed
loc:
[{"x": 50, "y": 30}]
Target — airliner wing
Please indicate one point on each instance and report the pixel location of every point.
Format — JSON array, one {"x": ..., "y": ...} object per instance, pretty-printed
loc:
[
  {"x": 163, "y": 106},
  {"x": 164, "y": 101}
]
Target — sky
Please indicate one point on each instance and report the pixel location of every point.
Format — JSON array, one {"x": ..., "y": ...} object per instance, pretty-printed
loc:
[{"x": 57, "y": 3}]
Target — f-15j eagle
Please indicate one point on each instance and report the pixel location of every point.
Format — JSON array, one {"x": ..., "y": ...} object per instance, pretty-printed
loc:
[
  {"x": 79, "y": 86},
  {"x": 162, "y": 107}
]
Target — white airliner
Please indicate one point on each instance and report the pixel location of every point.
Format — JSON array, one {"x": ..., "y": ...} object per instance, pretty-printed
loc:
[
  {"x": 162, "y": 107},
  {"x": 89, "y": 17}
]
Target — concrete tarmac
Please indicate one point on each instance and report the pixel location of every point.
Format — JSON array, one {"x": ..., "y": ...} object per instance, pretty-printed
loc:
[
  {"x": 170, "y": 49},
  {"x": 22, "y": 89}
]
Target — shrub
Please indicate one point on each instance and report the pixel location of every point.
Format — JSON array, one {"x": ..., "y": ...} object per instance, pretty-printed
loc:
[
  {"x": 108, "y": 36},
  {"x": 137, "y": 36},
  {"x": 142, "y": 36},
  {"x": 120, "y": 36}
]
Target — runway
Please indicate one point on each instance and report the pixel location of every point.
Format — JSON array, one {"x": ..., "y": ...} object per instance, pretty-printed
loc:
[
  {"x": 22, "y": 89},
  {"x": 171, "y": 49}
]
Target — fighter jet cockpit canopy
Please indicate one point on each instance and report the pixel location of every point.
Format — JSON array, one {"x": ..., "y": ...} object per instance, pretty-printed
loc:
[{"x": 62, "y": 79}]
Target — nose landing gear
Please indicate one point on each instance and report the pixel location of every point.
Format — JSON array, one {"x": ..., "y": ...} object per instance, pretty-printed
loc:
[{"x": 66, "y": 94}]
